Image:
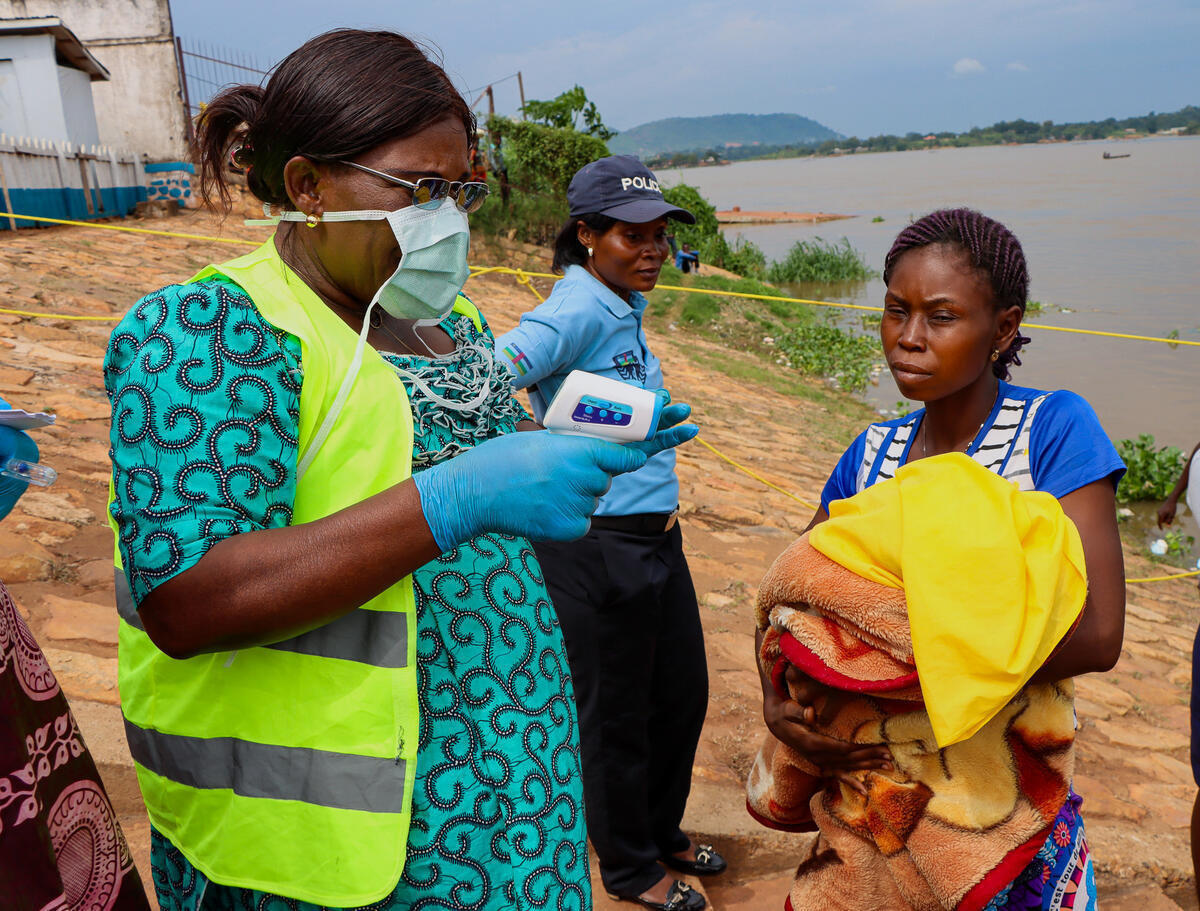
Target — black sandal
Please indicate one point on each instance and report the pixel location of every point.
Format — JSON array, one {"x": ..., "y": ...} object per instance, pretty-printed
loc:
[
  {"x": 707, "y": 863},
  {"x": 680, "y": 897}
]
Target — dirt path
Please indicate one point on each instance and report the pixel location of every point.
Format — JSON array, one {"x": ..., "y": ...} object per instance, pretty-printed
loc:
[
  {"x": 736, "y": 216},
  {"x": 56, "y": 552}
]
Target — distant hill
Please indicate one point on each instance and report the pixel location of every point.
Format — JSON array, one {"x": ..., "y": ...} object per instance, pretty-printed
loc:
[{"x": 685, "y": 134}]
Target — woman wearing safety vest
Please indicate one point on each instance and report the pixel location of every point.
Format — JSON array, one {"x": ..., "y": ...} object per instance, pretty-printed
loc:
[{"x": 342, "y": 678}]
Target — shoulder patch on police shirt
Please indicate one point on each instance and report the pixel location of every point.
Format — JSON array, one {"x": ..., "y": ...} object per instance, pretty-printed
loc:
[{"x": 629, "y": 367}]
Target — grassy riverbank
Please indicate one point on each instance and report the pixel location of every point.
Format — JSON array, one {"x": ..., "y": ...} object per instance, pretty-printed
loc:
[{"x": 788, "y": 338}]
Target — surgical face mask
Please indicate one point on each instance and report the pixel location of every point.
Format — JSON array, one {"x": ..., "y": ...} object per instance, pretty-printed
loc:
[
  {"x": 433, "y": 268},
  {"x": 433, "y": 258}
]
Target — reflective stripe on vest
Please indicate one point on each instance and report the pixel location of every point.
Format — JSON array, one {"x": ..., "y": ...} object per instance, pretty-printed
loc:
[
  {"x": 379, "y": 638},
  {"x": 126, "y": 609},
  {"x": 341, "y": 780}
]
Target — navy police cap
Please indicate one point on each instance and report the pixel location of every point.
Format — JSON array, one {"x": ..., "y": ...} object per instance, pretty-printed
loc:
[{"x": 623, "y": 188}]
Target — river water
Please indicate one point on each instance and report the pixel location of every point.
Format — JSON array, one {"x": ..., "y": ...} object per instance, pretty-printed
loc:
[{"x": 1115, "y": 242}]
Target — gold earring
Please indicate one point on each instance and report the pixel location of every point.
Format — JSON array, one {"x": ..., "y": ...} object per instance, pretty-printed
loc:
[
  {"x": 589, "y": 249},
  {"x": 313, "y": 220},
  {"x": 995, "y": 354}
]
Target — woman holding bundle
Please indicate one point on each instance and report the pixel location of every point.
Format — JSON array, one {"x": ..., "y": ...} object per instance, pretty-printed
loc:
[{"x": 939, "y": 777}]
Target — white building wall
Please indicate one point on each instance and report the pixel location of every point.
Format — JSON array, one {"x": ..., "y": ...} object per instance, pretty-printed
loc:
[
  {"x": 33, "y": 105},
  {"x": 141, "y": 108},
  {"x": 12, "y": 108},
  {"x": 79, "y": 113}
]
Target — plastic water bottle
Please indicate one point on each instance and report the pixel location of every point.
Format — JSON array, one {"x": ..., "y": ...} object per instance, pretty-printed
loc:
[{"x": 30, "y": 472}]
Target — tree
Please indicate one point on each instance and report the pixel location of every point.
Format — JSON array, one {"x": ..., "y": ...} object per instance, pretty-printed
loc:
[
  {"x": 564, "y": 112},
  {"x": 543, "y": 158},
  {"x": 688, "y": 197}
]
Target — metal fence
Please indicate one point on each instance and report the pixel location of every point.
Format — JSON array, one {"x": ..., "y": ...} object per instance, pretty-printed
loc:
[
  {"x": 208, "y": 68},
  {"x": 60, "y": 180}
]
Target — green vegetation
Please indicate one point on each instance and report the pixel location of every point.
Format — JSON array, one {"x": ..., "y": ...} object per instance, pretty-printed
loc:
[
  {"x": 795, "y": 337},
  {"x": 832, "y": 353},
  {"x": 539, "y": 157},
  {"x": 706, "y": 238},
  {"x": 1152, "y": 472},
  {"x": 563, "y": 113},
  {"x": 530, "y": 217},
  {"x": 1179, "y": 544},
  {"x": 533, "y": 162},
  {"x": 1186, "y": 121},
  {"x": 820, "y": 261},
  {"x": 808, "y": 261},
  {"x": 877, "y": 219},
  {"x": 748, "y": 131}
]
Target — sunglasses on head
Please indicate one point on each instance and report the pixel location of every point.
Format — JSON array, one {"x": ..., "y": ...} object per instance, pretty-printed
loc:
[{"x": 428, "y": 192}]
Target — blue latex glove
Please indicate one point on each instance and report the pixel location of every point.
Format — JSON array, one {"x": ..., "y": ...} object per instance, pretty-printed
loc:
[
  {"x": 540, "y": 485},
  {"x": 14, "y": 443}
]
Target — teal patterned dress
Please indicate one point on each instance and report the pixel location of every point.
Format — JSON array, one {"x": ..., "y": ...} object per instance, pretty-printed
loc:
[{"x": 205, "y": 399}]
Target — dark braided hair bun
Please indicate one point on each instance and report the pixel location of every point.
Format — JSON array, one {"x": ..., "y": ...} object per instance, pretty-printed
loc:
[{"x": 993, "y": 250}]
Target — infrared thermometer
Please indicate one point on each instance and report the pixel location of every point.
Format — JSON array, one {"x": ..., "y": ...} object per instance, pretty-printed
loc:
[{"x": 591, "y": 405}]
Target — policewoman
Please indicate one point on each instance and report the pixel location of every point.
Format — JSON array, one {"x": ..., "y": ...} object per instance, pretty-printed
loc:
[
  {"x": 341, "y": 675},
  {"x": 623, "y": 593}
]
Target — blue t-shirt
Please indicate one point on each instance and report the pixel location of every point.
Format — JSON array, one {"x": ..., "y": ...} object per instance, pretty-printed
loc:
[
  {"x": 583, "y": 325},
  {"x": 1048, "y": 441}
]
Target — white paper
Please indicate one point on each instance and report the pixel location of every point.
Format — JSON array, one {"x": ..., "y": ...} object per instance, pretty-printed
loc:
[{"x": 18, "y": 419}]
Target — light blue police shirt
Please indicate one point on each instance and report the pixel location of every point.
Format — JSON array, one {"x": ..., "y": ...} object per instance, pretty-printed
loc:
[{"x": 583, "y": 325}]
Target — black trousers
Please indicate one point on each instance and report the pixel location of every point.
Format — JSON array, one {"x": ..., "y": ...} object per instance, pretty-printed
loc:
[{"x": 629, "y": 616}]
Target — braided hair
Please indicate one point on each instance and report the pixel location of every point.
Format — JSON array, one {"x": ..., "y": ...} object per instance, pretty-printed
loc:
[{"x": 993, "y": 250}]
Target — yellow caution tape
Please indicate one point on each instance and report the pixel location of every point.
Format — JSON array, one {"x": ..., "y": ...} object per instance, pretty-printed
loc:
[
  {"x": 502, "y": 270},
  {"x": 524, "y": 278},
  {"x": 89, "y": 224},
  {"x": 58, "y": 315},
  {"x": 787, "y": 493},
  {"x": 1194, "y": 572}
]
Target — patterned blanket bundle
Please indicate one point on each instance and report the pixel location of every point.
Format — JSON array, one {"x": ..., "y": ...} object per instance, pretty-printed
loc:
[{"x": 948, "y": 827}]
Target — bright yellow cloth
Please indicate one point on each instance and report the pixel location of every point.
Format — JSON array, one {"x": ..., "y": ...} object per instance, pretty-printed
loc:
[{"x": 994, "y": 578}]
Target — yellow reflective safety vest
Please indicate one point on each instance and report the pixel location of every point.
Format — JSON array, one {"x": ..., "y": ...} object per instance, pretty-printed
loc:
[{"x": 289, "y": 767}]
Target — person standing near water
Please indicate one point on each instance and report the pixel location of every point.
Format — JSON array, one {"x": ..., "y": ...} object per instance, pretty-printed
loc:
[
  {"x": 623, "y": 594},
  {"x": 957, "y": 286}
]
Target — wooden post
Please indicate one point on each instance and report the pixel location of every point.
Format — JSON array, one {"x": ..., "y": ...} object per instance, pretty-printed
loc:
[
  {"x": 187, "y": 103},
  {"x": 500, "y": 169},
  {"x": 61, "y": 161},
  {"x": 97, "y": 186},
  {"x": 521, "y": 86},
  {"x": 12, "y": 222},
  {"x": 87, "y": 190}
]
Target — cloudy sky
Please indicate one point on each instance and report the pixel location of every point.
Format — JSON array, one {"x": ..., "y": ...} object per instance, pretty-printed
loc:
[{"x": 861, "y": 67}]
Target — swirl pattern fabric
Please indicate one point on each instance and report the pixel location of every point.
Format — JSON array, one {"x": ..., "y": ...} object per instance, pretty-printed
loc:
[{"x": 204, "y": 450}]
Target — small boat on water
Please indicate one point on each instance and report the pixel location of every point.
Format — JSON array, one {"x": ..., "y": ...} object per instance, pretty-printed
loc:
[{"x": 1110, "y": 155}]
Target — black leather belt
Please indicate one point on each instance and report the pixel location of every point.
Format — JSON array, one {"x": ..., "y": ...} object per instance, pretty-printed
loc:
[{"x": 645, "y": 523}]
